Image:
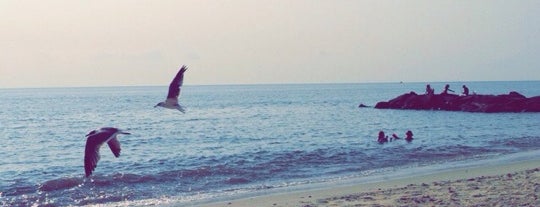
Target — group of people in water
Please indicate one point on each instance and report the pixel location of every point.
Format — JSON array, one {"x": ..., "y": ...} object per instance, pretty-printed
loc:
[
  {"x": 409, "y": 135},
  {"x": 431, "y": 91},
  {"x": 383, "y": 138}
]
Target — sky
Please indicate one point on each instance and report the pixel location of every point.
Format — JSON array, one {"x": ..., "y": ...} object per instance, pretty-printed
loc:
[{"x": 67, "y": 43}]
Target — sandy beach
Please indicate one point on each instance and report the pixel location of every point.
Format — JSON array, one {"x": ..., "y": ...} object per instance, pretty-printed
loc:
[{"x": 511, "y": 184}]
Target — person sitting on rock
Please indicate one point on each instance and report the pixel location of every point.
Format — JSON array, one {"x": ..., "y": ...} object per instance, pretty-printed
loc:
[
  {"x": 465, "y": 90},
  {"x": 382, "y": 139},
  {"x": 429, "y": 90},
  {"x": 446, "y": 89},
  {"x": 409, "y": 135}
]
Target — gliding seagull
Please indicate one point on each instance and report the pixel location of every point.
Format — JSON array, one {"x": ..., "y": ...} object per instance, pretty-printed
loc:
[
  {"x": 174, "y": 91},
  {"x": 94, "y": 140}
]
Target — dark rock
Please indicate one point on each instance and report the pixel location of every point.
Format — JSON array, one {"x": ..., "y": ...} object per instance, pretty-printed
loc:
[
  {"x": 362, "y": 105},
  {"x": 512, "y": 102},
  {"x": 382, "y": 105}
]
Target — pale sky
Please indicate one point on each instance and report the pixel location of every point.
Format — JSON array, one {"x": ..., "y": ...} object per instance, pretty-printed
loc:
[{"x": 61, "y": 43}]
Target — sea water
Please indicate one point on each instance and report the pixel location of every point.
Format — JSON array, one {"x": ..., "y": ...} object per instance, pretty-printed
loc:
[{"x": 236, "y": 140}]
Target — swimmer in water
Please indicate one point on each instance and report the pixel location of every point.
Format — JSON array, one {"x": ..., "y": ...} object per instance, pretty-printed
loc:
[
  {"x": 382, "y": 138},
  {"x": 409, "y": 135}
]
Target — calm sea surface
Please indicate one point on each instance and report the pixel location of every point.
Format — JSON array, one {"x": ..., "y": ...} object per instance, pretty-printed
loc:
[{"x": 236, "y": 140}]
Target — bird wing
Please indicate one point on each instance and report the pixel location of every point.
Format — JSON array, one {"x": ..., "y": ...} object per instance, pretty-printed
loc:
[
  {"x": 174, "y": 87},
  {"x": 91, "y": 133},
  {"x": 114, "y": 144},
  {"x": 91, "y": 155}
]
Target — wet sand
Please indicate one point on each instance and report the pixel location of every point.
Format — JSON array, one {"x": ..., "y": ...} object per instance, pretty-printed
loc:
[{"x": 511, "y": 184}]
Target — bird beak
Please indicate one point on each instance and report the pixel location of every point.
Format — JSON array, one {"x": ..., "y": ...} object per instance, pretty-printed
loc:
[{"x": 125, "y": 133}]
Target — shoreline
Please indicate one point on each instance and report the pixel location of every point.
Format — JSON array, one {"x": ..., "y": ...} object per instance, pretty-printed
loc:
[{"x": 456, "y": 186}]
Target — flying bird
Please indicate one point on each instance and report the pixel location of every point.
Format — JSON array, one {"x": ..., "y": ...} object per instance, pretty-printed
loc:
[
  {"x": 94, "y": 140},
  {"x": 174, "y": 91}
]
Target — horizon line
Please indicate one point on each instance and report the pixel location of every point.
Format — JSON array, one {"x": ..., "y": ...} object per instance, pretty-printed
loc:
[{"x": 248, "y": 84}]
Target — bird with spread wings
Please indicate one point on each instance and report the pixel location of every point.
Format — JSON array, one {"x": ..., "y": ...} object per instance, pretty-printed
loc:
[{"x": 174, "y": 92}]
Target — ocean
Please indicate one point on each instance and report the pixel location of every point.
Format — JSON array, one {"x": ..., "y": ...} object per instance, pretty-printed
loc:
[{"x": 239, "y": 140}]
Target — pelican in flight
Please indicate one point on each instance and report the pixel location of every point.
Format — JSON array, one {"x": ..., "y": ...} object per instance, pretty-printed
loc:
[
  {"x": 94, "y": 140},
  {"x": 174, "y": 91}
]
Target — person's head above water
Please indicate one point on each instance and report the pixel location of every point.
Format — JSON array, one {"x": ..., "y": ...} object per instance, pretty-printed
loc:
[{"x": 409, "y": 134}]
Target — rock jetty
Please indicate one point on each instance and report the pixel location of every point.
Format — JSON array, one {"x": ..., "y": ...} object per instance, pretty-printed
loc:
[{"x": 511, "y": 102}]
